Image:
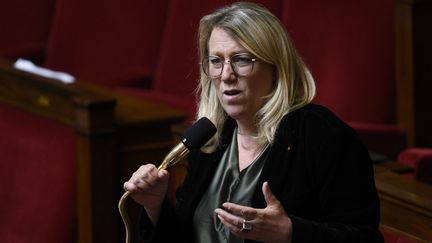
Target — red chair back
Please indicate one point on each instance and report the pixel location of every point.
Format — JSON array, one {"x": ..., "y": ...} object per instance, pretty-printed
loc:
[
  {"x": 349, "y": 49},
  {"x": 25, "y": 26},
  {"x": 37, "y": 178},
  {"x": 107, "y": 41}
]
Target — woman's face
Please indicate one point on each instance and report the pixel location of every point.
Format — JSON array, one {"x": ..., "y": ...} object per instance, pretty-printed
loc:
[{"x": 241, "y": 96}]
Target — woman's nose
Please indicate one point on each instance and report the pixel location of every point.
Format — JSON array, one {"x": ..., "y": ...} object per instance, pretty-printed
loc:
[{"x": 228, "y": 73}]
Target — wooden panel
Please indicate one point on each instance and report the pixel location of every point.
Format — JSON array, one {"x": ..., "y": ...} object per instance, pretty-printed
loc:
[
  {"x": 404, "y": 70},
  {"x": 413, "y": 50}
]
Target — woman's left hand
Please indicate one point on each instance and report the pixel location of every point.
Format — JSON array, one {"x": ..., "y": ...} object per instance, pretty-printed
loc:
[{"x": 270, "y": 224}]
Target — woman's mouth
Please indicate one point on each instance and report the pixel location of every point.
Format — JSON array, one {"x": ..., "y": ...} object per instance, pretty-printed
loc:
[{"x": 231, "y": 92}]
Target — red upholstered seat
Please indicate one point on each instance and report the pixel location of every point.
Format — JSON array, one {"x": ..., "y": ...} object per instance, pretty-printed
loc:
[
  {"x": 349, "y": 49},
  {"x": 37, "y": 179},
  {"x": 421, "y": 160},
  {"x": 107, "y": 41},
  {"x": 386, "y": 139},
  {"x": 25, "y": 26}
]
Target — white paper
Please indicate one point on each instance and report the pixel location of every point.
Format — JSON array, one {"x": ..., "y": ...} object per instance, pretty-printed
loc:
[{"x": 28, "y": 66}]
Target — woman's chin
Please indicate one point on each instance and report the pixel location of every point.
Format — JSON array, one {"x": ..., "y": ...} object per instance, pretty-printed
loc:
[{"x": 236, "y": 114}]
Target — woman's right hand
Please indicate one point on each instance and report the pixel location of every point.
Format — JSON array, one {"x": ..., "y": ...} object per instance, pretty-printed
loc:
[{"x": 148, "y": 187}]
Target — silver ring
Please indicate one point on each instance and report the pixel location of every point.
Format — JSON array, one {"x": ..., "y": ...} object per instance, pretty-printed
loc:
[{"x": 246, "y": 226}]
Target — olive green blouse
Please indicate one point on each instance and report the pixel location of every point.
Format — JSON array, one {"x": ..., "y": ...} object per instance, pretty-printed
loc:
[{"x": 228, "y": 185}]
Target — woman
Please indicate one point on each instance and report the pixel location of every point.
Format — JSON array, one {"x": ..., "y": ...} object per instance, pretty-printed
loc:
[{"x": 279, "y": 169}]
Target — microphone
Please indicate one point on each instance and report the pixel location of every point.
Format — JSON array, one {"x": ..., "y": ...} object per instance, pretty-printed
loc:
[{"x": 193, "y": 138}]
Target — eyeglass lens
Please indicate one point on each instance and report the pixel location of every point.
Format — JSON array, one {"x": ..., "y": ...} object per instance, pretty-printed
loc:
[{"x": 241, "y": 64}]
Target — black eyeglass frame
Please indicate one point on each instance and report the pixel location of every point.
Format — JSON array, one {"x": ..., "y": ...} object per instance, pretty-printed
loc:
[{"x": 234, "y": 67}]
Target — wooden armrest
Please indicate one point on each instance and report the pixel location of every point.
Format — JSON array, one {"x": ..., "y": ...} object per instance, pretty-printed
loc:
[
  {"x": 406, "y": 205},
  {"x": 396, "y": 167}
]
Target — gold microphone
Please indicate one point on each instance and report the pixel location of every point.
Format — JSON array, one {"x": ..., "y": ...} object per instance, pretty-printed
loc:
[{"x": 193, "y": 138}]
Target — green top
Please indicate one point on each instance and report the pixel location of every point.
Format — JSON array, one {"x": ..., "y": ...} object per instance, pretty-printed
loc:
[{"x": 228, "y": 185}]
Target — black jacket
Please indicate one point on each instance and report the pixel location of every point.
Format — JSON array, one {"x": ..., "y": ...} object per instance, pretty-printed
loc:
[{"x": 317, "y": 168}]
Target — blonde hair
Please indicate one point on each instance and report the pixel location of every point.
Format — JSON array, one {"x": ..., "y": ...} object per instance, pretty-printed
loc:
[{"x": 263, "y": 35}]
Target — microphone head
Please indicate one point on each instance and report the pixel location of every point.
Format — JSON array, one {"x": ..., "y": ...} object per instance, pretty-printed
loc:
[{"x": 198, "y": 134}]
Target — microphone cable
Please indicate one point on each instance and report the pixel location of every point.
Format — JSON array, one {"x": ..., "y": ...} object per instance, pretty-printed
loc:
[{"x": 167, "y": 162}]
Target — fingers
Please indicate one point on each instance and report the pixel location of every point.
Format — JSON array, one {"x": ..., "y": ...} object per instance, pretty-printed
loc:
[
  {"x": 238, "y": 224},
  {"x": 147, "y": 176},
  {"x": 130, "y": 187},
  {"x": 242, "y": 211},
  {"x": 269, "y": 197},
  {"x": 250, "y": 213},
  {"x": 163, "y": 174},
  {"x": 231, "y": 221},
  {"x": 269, "y": 224}
]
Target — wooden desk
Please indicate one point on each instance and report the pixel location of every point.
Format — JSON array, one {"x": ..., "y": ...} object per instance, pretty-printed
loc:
[
  {"x": 115, "y": 134},
  {"x": 406, "y": 205},
  {"x": 396, "y": 167}
]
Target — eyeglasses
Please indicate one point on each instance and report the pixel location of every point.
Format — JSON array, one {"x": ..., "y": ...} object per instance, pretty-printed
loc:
[{"x": 241, "y": 64}]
